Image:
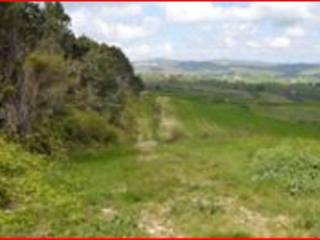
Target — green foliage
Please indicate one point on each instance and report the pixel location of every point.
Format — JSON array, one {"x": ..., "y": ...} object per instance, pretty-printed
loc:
[
  {"x": 47, "y": 138},
  {"x": 27, "y": 197},
  {"x": 44, "y": 69},
  {"x": 131, "y": 120},
  {"x": 87, "y": 126},
  {"x": 48, "y": 77},
  {"x": 57, "y": 92},
  {"x": 107, "y": 73},
  {"x": 203, "y": 186},
  {"x": 298, "y": 171},
  {"x": 227, "y": 171},
  {"x": 19, "y": 172},
  {"x": 219, "y": 89}
]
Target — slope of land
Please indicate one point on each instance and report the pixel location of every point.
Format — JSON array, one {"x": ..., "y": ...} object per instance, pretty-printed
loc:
[
  {"x": 205, "y": 169},
  {"x": 231, "y": 70}
]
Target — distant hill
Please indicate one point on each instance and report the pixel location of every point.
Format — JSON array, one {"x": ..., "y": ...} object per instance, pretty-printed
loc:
[{"x": 227, "y": 68}]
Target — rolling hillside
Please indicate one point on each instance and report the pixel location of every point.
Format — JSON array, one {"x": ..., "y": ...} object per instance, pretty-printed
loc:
[{"x": 227, "y": 68}]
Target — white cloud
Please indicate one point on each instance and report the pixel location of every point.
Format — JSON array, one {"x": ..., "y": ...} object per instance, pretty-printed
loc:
[
  {"x": 110, "y": 9},
  {"x": 284, "y": 12},
  {"x": 203, "y": 30},
  {"x": 122, "y": 10},
  {"x": 146, "y": 51},
  {"x": 280, "y": 42},
  {"x": 278, "y": 12},
  {"x": 168, "y": 49},
  {"x": 229, "y": 42},
  {"x": 120, "y": 31},
  {"x": 253, "y": 44},
  {"x": 192, "y": 11},
  {"x": 106, "y": 28},
  {"x": 295, "y": 31},
  {"x": 141, "y": 51}
]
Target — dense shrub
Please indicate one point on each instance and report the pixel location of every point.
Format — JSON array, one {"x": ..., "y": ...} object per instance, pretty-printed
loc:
[
  {"x": 29, "y": 203},
  {"x": 47, "y": 138},
  {"x": 87, "y": 126},
  {"x": 51, "y": 69},
  {"x": 20, "y": 173},
  {"x": 297, "y": 171}
]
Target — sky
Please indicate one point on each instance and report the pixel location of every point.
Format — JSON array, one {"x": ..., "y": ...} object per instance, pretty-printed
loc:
[{"x": 263, "y": 31}]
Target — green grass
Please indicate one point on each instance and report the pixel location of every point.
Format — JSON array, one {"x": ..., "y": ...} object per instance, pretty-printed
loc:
[
  {"x": 244, "y": 118},
  {"x": 205, "y": 184},
  {"x": 294, "y": 112}
]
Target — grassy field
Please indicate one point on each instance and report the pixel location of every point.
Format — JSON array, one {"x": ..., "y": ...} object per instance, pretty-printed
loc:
[{"x": 204, "y": 170}]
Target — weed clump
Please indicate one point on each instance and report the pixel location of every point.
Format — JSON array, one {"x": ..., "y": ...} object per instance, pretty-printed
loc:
[
  {"x": 27, "y": 197},
  {"x": 87, "y": 127},
  {"x": 297, "y": 171},
  {"x": 18, "y": 171}
]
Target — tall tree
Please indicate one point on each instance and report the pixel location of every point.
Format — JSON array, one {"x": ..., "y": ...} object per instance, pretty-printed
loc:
[{"x": 21, "y": 27}]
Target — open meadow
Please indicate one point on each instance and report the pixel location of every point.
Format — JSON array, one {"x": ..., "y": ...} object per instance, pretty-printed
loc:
[
  {"x": 160, "y": 120},
  {"x": 201, "y": 168}
]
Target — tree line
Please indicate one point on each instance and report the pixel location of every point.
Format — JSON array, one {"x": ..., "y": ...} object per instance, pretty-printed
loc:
[{"x": 56, "y": 88}]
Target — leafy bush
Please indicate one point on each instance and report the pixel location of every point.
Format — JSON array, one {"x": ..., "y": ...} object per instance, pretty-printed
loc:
[
  {"x": 47, "y": 70},
  {"x": 297, "y": 170},
  {"x": 19, "y": 173},
  {"x": 52, "y": 69},
  {"x": 27, "y": 197},
  {"x": 46, "y": 138},
  {"x": 86, "y": 126}
]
